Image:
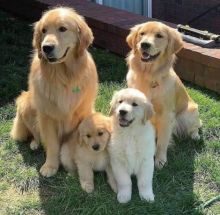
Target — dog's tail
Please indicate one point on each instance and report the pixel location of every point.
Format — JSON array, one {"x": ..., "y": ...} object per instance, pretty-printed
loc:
[{"x": 19, "y": 130}]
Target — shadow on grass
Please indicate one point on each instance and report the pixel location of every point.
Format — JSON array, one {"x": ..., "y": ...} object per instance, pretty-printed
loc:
[{"x": 173, "y": 187}]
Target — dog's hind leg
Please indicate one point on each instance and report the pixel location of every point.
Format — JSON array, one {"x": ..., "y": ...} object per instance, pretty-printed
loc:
[
  {"x": 19, "y": 130},
  {"x": 188, "y": 122}
]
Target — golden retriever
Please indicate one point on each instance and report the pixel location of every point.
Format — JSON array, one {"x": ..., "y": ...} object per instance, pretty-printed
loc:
[
  {"x": 151, "y": 71},
  {"x": 63, "y": 79},
  {"x": 132, "y": 146},
  {"x": 87, "y": 149}
]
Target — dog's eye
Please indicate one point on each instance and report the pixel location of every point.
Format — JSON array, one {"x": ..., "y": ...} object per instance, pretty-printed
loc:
[
  {"x": 142, "y": 33},
  {"x": 44, "y": 30},
  {"x": 134, "y": 104},
  {"x": 120, "y": 101},
  {"x": 88, "y": 135},
  {"x": 100, "y": 133},
  {"x": 62, "y": 29},
  {"x": 158, "y": 35}
]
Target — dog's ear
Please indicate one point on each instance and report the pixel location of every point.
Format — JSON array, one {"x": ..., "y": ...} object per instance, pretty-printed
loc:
[
  {"x": 85, "y": 35},
  {"x": 132, "y": 37},
  {"x": 80, "y": 134},
  {"x": 175, "y": 42},
  {"x": 37, "y": 38},
  {"x": 148, "y": 112},
  {"x": 113, "y": 104}
]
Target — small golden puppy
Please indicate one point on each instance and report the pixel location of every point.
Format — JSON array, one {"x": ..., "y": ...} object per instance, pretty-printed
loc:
[
  {"x": 25, "y": 123},
  {"x": 86, "y": 150},
  {"x": 150, "y": 62}
]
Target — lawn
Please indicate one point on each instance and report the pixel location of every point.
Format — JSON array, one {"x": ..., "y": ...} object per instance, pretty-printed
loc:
[{"x": 191, "y": 178}]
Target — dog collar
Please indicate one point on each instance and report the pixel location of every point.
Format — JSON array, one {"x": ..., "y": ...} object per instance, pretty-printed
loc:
[{"x": 76, "y": 89}]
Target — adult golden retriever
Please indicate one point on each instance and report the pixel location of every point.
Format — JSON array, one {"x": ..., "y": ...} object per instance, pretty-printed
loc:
[
  {"x": 151, "y": 71},
  {"x": 63, "y": 79}
]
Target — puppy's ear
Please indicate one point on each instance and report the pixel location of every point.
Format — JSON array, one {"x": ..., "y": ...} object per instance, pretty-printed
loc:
[
  {"x": 80, "y": 134},
  {"x": 37, "y": 38},
  {"x": 175, "y": 43},
  {"x": 132, "y": 37},
  {"x": 148, "y": 112},
  {"x": 85, "y": 36},
  {"x": 113, "y": 104}
]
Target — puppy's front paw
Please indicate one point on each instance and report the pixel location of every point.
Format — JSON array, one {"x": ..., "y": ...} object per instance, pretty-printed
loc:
[
  {"x": 87, "y": 186},
  {"x": 195, "y": 136},
  {"x": 34, "y": 145},
  {"x": 147, "y": 196},
  {"x": 160, "y": 161},
  {"x": 48, "y": 170},
  {"x": 123, "y": 197}
]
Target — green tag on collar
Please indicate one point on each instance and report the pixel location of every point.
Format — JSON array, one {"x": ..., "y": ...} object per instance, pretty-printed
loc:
[{"x": 76, "y": 89}]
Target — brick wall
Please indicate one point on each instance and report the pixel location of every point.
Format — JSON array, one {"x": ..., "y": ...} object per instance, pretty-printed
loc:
[{"x": 181, "y": 11}]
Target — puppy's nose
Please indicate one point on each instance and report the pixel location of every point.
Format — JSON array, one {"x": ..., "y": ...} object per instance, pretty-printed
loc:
[
  {"x": 48, "y": 49},
  {"x": 145, "y": 45},
  {"x": 95, "y": 147},
  {"x": 123, "y": 112}
]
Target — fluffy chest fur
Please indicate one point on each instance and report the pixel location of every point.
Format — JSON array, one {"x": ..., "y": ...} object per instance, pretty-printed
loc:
[
  {"x": 98, "y": 161},
  {"x": 131, "y": 146}
]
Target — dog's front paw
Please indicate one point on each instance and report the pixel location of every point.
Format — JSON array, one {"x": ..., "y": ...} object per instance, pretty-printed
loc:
[
  {"x": 123, "y": 197},
  {"x": 87, "y": 186},
  {"x": 160, "y": 161},
  {"x": 48, "y": 170},
  {"x": 147, "y": 196},
  {"x": 34, "y": 145}
]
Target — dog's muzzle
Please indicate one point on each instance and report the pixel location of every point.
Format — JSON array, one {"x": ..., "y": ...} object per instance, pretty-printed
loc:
[{"x": 123, "y": 122}]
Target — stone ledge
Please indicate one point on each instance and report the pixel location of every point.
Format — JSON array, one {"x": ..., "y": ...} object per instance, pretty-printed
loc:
[{"x": 111, "y": 26}]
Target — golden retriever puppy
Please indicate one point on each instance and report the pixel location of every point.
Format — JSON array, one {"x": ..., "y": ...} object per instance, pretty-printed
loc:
[
  {"x": 87, "y": 150},
  {"x": 63, "y": 79},
  {"x": 132, "y": 145},
  {"x": 25, "y": 122},
  {"x": 151, "y": 71}
]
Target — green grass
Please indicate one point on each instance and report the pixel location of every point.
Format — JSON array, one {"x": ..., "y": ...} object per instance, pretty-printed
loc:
[{"x": 191, "y": 178}]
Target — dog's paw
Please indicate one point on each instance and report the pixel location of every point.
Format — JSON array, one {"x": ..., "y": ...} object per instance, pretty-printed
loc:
[
  {"x": 87, "y": 186},
  {"x": 195, "y": 136},
  {"x": 160, "y": 161},
  {"x": 123, "y": 197},
  {"x": 48, "y": 170},
  {"x": 34, "y": 145},
  {"x": 147, "y": 196}
]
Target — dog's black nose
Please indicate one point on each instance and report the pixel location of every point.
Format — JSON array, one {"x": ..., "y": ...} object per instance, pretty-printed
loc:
[
  {"x": 123, "y": 112},
  {"x": 95, "y": 147},
  {"x": 48, "y": 48},
  {"x": 145, "y": 45}
]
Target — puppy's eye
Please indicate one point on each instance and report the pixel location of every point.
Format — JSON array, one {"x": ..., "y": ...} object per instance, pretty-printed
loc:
[
  {"x": 120, "y": 101},
  {"x": 62, "y": 29},
  {"x": 134, "y": 104},
  {"x": 44, "y": 30},
  {"x": 88, "y": 135},
  {"x": 100, "y": 133},
  {"x": 142, "y": 33},
  {"x": 158, "y": 35}
]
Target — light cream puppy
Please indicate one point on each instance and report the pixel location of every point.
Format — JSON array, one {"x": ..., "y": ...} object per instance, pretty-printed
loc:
[
  {"x": 132, "y": 145},
  {"x": 86, "y": 150},
  {"x": 150, "y": 62}
]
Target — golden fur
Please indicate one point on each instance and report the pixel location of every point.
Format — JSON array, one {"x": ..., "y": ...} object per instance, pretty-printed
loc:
[
  {"x": 150, "y": 64},
  {"x": 25, "y": 122},
  {"x": 81, "y": 151},
  {"x": 63, "y": 82}
]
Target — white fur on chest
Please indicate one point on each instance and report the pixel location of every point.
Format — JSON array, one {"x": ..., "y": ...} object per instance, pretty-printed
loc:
[{"x": 131, "y": 147}]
